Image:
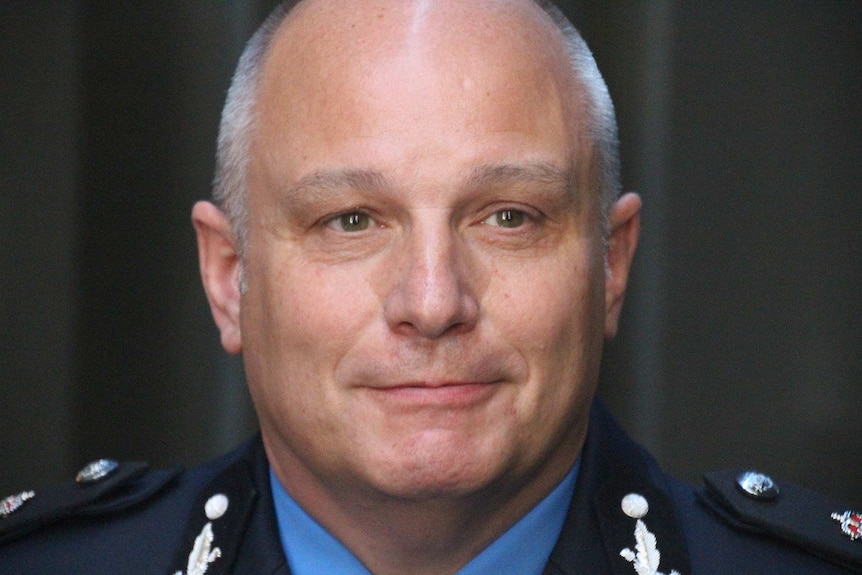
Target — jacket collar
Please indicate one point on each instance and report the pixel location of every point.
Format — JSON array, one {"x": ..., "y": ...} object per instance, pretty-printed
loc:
[
  {"x": 244, "y": 540},
  {"x": 597, "y": 530}
]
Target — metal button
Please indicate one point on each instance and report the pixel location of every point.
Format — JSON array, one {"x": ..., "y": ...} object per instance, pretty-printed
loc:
[
  {"x": 216, "y": 506},
  {"x": 635, "y": 505},
  {"x": 96, "y": 471},
  {"x": 757, "y": 485}
]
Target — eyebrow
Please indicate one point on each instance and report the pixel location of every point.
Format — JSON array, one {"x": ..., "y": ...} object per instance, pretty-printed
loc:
[
  {"x": 541, "y": 174},
  {"x": 325, "y": 183},
  {"x": 328, "y": 182}
]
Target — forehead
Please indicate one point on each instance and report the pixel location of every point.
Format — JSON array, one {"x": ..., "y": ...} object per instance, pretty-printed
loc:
[
  {"x": 409, "y": 69},
  {"x": 351, "y": 27}
]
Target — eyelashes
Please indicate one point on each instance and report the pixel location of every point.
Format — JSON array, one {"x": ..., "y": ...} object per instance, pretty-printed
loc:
[{"x": 359, "y": 220}]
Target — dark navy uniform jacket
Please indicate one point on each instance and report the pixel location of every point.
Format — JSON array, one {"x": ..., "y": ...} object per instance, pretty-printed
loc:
[{"x": 137, "y": 521}]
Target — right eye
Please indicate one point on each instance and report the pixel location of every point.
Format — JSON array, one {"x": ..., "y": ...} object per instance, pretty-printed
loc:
[
  {"x": 508, "y": 218},
  {"x": 354, "y": 221}
]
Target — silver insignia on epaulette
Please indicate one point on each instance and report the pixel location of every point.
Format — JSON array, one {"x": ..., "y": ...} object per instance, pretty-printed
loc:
[
  {"x": 96, "y": 471},
  {"x": 851, "y": 523},
  {"x": 11, "y": 504},
  {"x": 757, "y": 485},
  {"x": 647, "y": 559}
]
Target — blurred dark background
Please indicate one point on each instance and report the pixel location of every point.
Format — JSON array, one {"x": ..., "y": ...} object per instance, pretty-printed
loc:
[{"x": 741, "y": 125}]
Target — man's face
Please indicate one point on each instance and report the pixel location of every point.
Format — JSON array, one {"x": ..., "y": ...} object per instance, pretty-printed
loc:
[{"x": 425, "y": 302}]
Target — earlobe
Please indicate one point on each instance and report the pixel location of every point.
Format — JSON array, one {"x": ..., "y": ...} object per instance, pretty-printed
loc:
[
  {"x": 624, "y": 224},
  {"x": 220, "y": 267}
]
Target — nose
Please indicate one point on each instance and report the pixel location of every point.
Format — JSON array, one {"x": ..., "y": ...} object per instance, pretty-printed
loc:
[{"x": 431, "y": 294}]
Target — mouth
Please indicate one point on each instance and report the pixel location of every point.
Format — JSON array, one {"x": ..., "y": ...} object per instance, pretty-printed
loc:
[{"x": 450, "y": 394}]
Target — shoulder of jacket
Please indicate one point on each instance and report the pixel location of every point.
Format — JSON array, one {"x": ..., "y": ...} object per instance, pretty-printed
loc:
[
  {"x": 100, "y": 488},
  {"x": 756, "y": 503}
]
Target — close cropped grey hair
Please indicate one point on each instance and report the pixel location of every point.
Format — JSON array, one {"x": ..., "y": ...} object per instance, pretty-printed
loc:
[{"x": 238, "y": 120}]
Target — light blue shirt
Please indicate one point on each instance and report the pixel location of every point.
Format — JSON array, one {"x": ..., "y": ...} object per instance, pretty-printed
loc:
[{"x": 522, "y": 550}]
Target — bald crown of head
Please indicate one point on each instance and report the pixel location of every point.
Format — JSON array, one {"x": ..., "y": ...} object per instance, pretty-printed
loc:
[{"x": 238, "y": 117}]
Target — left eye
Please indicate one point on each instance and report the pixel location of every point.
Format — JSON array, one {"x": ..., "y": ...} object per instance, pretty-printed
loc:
[
  {"x": 507, "y": 218},
  {"x": 352, "y": 222}
]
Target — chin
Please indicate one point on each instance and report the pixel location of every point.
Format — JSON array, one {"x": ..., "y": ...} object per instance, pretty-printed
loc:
[{"x": 436, "y": 467}]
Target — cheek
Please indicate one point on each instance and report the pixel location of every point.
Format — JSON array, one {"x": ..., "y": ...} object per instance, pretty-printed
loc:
[
  {"x": 300, "y": 322},
  {"x": 311, "y": 309},
  {"x": 553, "y": 316},
  {"x": 548, "y": 305}
]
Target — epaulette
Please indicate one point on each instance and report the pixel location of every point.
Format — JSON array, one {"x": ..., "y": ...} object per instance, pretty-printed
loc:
[
  {"x": 101, "y": 487},
  {"x": 754, "y": 502}
]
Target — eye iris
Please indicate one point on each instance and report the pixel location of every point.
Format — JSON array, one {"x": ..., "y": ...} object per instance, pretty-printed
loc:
[
  {"x": 354, "y": 222},
  {"x": 510, "y": 218}
]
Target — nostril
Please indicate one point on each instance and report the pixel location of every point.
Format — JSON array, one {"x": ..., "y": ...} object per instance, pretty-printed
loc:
[{"x": 432, "y": 309}]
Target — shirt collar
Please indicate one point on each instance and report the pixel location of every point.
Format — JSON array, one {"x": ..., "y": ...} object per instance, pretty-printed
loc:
[{"x": 524, "y": 548}]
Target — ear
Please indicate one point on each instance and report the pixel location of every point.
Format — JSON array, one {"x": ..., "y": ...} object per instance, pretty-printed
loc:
[
  {"x": 220, "y": 271},
  {"x": 624, "y": 224}
]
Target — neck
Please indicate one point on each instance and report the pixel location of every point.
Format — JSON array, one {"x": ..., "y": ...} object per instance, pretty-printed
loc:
[{"x": 431, "y": 535}]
